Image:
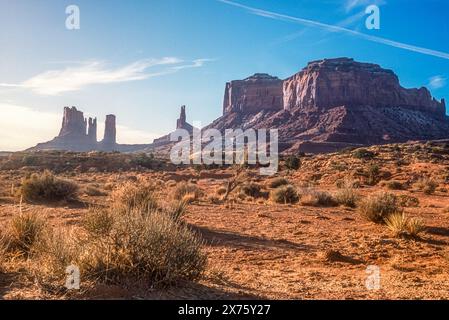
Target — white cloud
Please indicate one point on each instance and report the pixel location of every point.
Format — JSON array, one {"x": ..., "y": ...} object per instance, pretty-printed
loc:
[
  {"x": 437, "y": 82},
  {"x": 336, "y": 28},
  {"x": 351, "y": 4},
  {"x": 24, "y": 127},
  {"x": 75, "y": 78}
]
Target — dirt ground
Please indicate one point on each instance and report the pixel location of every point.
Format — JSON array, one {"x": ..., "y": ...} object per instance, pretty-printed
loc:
[{"x": 261, "y": 250}]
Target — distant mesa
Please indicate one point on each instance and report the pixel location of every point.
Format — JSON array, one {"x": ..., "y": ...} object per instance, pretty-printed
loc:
[
  {"x": 329, "y": 105},
  {"x": 80, "y": 134},
  {"x": 332, "y": 104}
]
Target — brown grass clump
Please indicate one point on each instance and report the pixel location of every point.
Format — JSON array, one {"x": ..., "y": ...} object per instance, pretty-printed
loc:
[
  {"x": 131, "y": 195},
  {"x": 379, "y": 206},
  {"x": 252, "y": 189},
  {"x": 138, "y": 243},
  {"x": 347, "y": 197},
  {"x": 26, "y": 229},
  {"x": 284, "y": 194},
  {"x": 185, "y": 188},
  {"x": 47, "y": 187},
  {"x": 427, "y": 185},
  {"x": 316, "y": 198}
]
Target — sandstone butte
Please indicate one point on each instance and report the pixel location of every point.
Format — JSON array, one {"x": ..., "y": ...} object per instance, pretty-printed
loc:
[{"x": 329, "y": 105}]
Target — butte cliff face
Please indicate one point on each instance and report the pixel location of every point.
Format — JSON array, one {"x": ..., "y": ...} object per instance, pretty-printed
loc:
[
  {"x": 258, "y": 92},
  {"x": 335, "y": 103}
]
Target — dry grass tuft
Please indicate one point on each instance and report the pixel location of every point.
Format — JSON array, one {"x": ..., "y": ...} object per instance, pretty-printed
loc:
[
  {"x": 185, "y": 188},
  {"x": 132, "y": 195},
  {"x": 402, "y": 226},
  {"x": 346, "y": 196},
  {"x": 427, "y": 185},
  {"x": 26, "y": 229},
  {"x": 47, "y": 187},
  {"x": 379, "y": 206},
  {"x": 284, "y": 194}
]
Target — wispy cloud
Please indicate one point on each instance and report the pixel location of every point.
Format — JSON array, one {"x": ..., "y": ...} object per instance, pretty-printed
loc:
[
  {"x": 24, "y": 127},
  {"x": 351, "y": 4},
  {"x": 336, "y": 28},
  {"x": 437, "y": 82},
  {"x": 83, "y": 74}
]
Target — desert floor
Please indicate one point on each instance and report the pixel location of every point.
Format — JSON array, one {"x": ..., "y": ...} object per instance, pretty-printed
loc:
[{"x": 260, "y": 250}]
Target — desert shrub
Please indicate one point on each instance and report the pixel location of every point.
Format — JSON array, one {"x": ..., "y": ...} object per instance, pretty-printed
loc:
[
  {"x": 184, "y": 188},
  {"x": 372, "y": 174},
  {"x": 401, "y": 225},
  {"x": 395, "y": 185},
  {"x": 137, "y": 244},
  {"x": 292, "y": 162},
  {"x": 408, "y": 201},
  {"x": 29, "y": 160},
  {"x": 277, "y": 182},
  {"x": 379, "y": 206},
  {"x": 397, "y": 223},
  {"x": 177, "y": 208},
  {"x": 316, "y": 198},
  {"x": 415, "y": 227},
  {"x": 98, "y": 221},
  {"x": 47, "y": 187},
  {"x": 427, "y": 185},
  {"x": 251, "y": 189},
  {"x": 144, "y": 160},
  {"x": 148, "y": 245},
  {"x": 132, "y": 195},
  {"x": 284, "y": 194},
  {"x": 25, "y": 231},
  {"x": 346, "y": 196},
  {"x": 363, "y": 154}
]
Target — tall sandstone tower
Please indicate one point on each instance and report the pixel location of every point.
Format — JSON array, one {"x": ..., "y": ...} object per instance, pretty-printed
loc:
[{"x": 110, "y": 132}]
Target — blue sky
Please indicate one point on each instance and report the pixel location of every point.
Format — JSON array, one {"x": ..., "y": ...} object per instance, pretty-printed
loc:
[{"x": 143, "y": 59}]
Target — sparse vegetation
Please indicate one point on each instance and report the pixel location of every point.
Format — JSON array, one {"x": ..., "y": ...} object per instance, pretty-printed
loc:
[
  {"x": 26, "y": 229},
  {"x": 293, "y": 162},
  {"x": 364, "y": 154},
  {"x": 47, "y": 187},
  {"x": 403, "y": 226},
  {"x": 408, "y": 201},
  {"x": 284, "y": 194},
  {"x": 427, "y": 185},
  {"x": 252, "y": 189},
  {"x": 316, "y": 198},
  {"x": 185, "y": 188},
  {"x": 346, "y": 196},
  {"x": 395, "y": 185},
  {"x": 132, "y": 195},
  {"x": 379, "y": 206}
]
